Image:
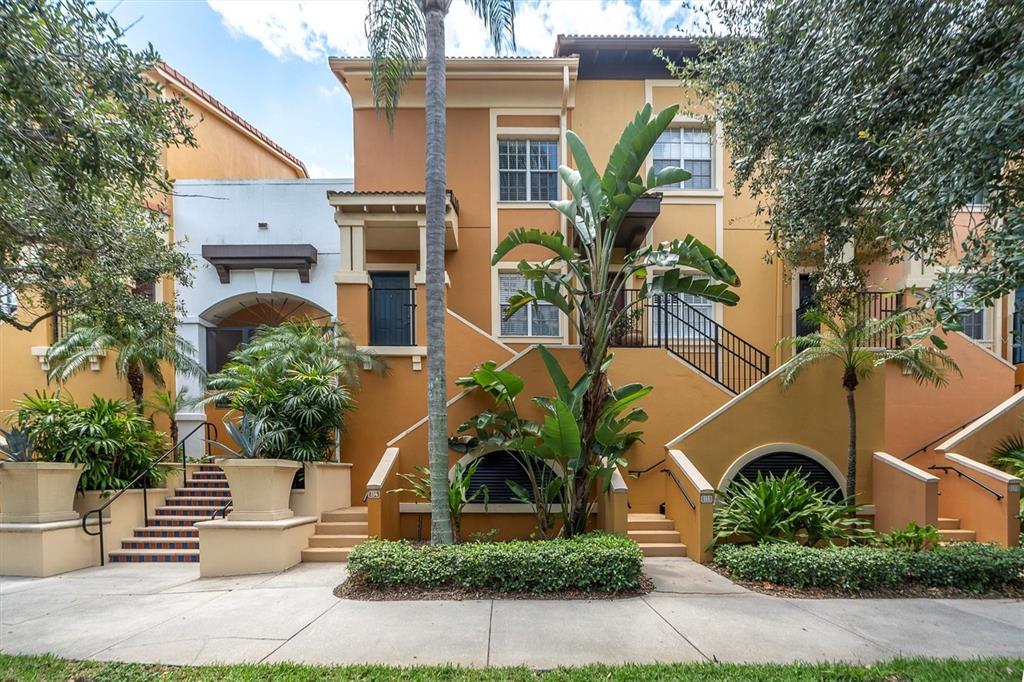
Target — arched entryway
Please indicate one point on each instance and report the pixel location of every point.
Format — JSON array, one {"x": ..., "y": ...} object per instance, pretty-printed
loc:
[{"x": 777, "y": 459}]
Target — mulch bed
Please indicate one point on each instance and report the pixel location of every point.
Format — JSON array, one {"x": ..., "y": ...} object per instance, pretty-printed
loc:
[
  {"x": 909, "y": 591},
  {"x": 359, "y": 590}
]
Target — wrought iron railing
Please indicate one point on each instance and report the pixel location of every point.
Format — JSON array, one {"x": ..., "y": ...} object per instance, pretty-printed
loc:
[
  {"x": 1017, "y": 337},
  {"x": 961, "y": 474},
  {"x": 670, "y": 322},
  {"x": 208, "y": 431},
  {"x": 880, "y": 305},
  {"x": 392, "y": 316}
]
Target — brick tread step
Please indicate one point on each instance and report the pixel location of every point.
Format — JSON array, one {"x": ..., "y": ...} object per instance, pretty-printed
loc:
[
  {"x": 190, "y": 510},
  {"x": 172, "y": 521},
  {"x": 176, "y": 556},
  {"x": 171, "y": 544},
  {"x": 208, "y": 485},
  {"x": 182, "y": 532},
  {"x": 176, "y": 501},
  {"x": 209, "y": 476},
  {"x": 202, "y": 492}
]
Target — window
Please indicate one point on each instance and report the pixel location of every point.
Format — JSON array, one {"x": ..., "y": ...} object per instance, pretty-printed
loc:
[
  {"x": 973, "y": 321},
  {"x": 8, "y": 302},
  {"x": 527, "y": 170},
  {"x": 688, "y": 148},
  {"x": 221, "y": 341},
  {"x": 688, "y": 317},
  {"x": 530, "y": 320}
]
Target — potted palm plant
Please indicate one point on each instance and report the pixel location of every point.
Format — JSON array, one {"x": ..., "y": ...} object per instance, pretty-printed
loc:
[
  {"x": 34, "y": 488},
  {"x": 260, "y": 486}
]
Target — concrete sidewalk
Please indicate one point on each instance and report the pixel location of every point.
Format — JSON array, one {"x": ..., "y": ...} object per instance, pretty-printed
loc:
[{"x": 167, "y": 614}]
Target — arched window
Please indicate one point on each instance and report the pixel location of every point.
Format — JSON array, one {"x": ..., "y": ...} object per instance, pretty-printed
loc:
[{"x": 779, "y": 463}]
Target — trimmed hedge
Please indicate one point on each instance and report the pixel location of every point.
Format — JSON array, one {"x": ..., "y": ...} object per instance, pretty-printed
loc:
[
  {"x": 968, "y": 566},
  {"x": 595, "y": 562}
]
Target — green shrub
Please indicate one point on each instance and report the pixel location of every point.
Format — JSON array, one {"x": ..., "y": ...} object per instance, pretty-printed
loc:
[
  {"x": 969, "y": 566},
  {"x": 784, "y": 509},
  {"x": 595, "y": 562},
  {"x": 110, "y": 437},
  {"x": 911, "y": 537}
]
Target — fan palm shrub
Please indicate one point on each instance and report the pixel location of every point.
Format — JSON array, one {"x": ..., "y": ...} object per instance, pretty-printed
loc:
[
  {"x": 296, "y": 380},
  {"x": 396, "y": 33},
  {"x": 585, "y": 278},
  {"x": 850, "y": 338},
  {"x": 142, "y": 350}
]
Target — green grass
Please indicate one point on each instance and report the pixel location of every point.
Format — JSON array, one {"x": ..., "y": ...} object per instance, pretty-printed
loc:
[{"x": 48, "y": 668}]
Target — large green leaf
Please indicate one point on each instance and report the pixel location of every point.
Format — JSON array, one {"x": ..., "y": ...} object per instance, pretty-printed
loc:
[
  {"x": 561, "y": 433},
  {"x": 673, "y": 282},
  {"x": 558, "y": 377},
  {"x": 542, "y": 291},
  {"x": 553, "y": 241}
]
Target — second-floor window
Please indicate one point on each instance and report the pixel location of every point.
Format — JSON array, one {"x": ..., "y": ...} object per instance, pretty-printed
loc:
[
  {"x": 527, "y": 170},
  {"x": 973, "y": 320},
  {"x": 530, "y": 320},
  {"x": 8, "y": 301},
  {"x": 688, "y": 148}
]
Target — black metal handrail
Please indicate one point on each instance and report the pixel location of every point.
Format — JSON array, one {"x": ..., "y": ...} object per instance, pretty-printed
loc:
[
  {"x": 221, "y": 511},
  {"x": 680, "y": 486},
  {"x": 144, "y": 478},
  {"x": 943, "y": 437},
  {"x": 960, "y": 474},
  {"x": 637, "y": 473}
]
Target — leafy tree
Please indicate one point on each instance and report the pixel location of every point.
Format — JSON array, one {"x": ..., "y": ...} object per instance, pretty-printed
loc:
[
  {"x": 396, "y": 31},
  {"x": 169, "y": 405},
  {"x": 82, "y": 136},
  {"x": 851, "y": 339},
  {"x": 142, "y": 349},
  {"x": 873, "y": 122},
  {"x": 295, "y": 382},
  {"x": 580, "y": 281}
]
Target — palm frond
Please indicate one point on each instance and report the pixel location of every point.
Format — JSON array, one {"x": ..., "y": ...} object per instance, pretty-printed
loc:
[
  {"x": 499, "y": 16},
  {"x": 395, "y": 36}
]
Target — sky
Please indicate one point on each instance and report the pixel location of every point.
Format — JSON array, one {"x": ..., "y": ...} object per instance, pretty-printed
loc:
[{"x": 267, "y": 59}]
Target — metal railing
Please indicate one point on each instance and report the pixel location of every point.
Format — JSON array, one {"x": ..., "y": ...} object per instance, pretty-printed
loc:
[
  {"x": 668, "y": 321},
  {"x": 392, "y": 316},
  {"x": 637, "y": 473},
  {"x": 880, "y": 305},
  {"x": 1017, "y": 337},
  {"x": 960, "y": 474},
  {"x": 679, "y": 485},
  {"x": 143, "y": 477}
]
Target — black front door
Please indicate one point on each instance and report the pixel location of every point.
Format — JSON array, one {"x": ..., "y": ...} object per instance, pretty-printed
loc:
[
  {"x": 392, "y": 300},
  {"x": 805, "y": 303},
  {"x": 1018, "y": 327}
]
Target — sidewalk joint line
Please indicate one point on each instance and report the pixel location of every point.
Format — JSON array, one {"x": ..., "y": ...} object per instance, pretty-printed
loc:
[
  {"x": 299, "y": 631},
  {"x": 490, "y": 633},
  {"x": 853, "y": 632},
  {"x": 677, "y": 631}
]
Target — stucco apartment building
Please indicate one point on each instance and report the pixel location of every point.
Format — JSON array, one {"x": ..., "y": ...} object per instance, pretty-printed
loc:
[
  {"x": 283, "y": 246},
  {"x": 270, "y": 250}
]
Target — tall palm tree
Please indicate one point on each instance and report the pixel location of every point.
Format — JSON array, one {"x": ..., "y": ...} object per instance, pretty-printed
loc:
[
  {"x": 396, "y": 32},
  {"x": 140, "y": 348},
  {"x": 852, "y": 338}
]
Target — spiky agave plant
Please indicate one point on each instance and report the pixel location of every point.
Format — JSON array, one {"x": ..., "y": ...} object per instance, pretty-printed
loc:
[{"x": 17, "y": 445}]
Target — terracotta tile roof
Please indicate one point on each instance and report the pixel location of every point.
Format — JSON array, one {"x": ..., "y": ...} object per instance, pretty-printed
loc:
[{"x": 222, "y": 108}]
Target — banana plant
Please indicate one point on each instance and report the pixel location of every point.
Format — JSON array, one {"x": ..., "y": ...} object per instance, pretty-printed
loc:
[{"x": 584, "y": 280}]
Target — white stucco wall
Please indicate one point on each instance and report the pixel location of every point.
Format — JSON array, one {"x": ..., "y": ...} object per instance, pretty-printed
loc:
[{"x": 229, "y": 212}]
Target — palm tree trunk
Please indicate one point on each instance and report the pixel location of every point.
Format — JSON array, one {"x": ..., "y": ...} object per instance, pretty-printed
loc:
[
  {"x": 851, "y": 452},
  {"x": 436, "y": 179},
  {"x": 135, "y": 384}
]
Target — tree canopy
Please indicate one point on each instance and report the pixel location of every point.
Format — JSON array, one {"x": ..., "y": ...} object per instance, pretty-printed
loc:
[
  {"x": 83, "y": 132},
  {"x": 874, "y": 122}
]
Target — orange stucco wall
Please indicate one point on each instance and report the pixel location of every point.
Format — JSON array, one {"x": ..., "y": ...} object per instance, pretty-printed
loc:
[
  {"x": 917, "y": 415},
  {"x": 902, "y": 493}
]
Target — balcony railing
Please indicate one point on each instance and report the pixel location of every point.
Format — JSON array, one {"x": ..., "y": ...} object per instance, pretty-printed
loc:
[
  {"x": 668, "y": 321},
  {"x": 392, "y": 316},
  {"x": 880, "y": 305},
  {"x": 1017, "y": 330}
]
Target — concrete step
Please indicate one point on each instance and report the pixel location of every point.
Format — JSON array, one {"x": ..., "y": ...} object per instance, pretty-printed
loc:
[
  {"x": 949, "y": 524},
  {"x": 647, "y": 536},
  {"x": 193, "y": 510},
  {"x": 181, "y": 501},
  {"x": 342, "y": 528},
  {"x": 663, "y": 549},
  {"x": 326, "y": 554},
  {"x": 650, "y": 524},
  {"x": 166, "y": 532},
  {"x": 202, "y": 492},
  {"x": 345, "y": 515},
  {"x": 160, "y": 543},
  {"x": 336, "y": 540},
  {"x": 174, "y": 556},
  {"x": 958, "y": 535}
]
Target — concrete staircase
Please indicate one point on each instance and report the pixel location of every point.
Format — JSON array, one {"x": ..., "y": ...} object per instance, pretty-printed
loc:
[
  {"x": 950, "y": 530},
  {"x": 336, "y": 534},
  {"x": 171, "y": 536},
  {"x": 656, "y": 534}
]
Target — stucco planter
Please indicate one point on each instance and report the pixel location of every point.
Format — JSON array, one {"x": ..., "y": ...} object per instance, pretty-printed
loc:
[
  {"x": 259, "y": 488},
  {"x": 38, "y": 492}
]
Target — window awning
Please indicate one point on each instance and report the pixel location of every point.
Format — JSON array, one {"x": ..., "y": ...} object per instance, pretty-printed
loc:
[{"x": 228, "y": 257}]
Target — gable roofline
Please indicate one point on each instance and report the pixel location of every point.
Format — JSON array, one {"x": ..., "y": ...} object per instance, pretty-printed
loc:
[{"x": 182, "y": 83}]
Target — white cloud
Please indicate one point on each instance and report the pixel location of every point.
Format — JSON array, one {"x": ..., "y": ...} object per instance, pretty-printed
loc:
[
  {"x": 330, "y": 170},
  {"x": 314, "y": 30},
  {"x": 329, "y": 92}
]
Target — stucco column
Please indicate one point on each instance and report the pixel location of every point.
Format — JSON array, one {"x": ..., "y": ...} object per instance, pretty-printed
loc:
[
  {"x": 352, "y": 234},
  {"x": 192, "y": 330}
]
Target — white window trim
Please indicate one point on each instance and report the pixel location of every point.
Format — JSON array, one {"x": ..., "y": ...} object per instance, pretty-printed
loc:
[
  {"x": 529, "y": 314},
  {"x": 512, "y": 266},
  {"x": 519, "y": 135},
  {"x": 717, "y": 155}
]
